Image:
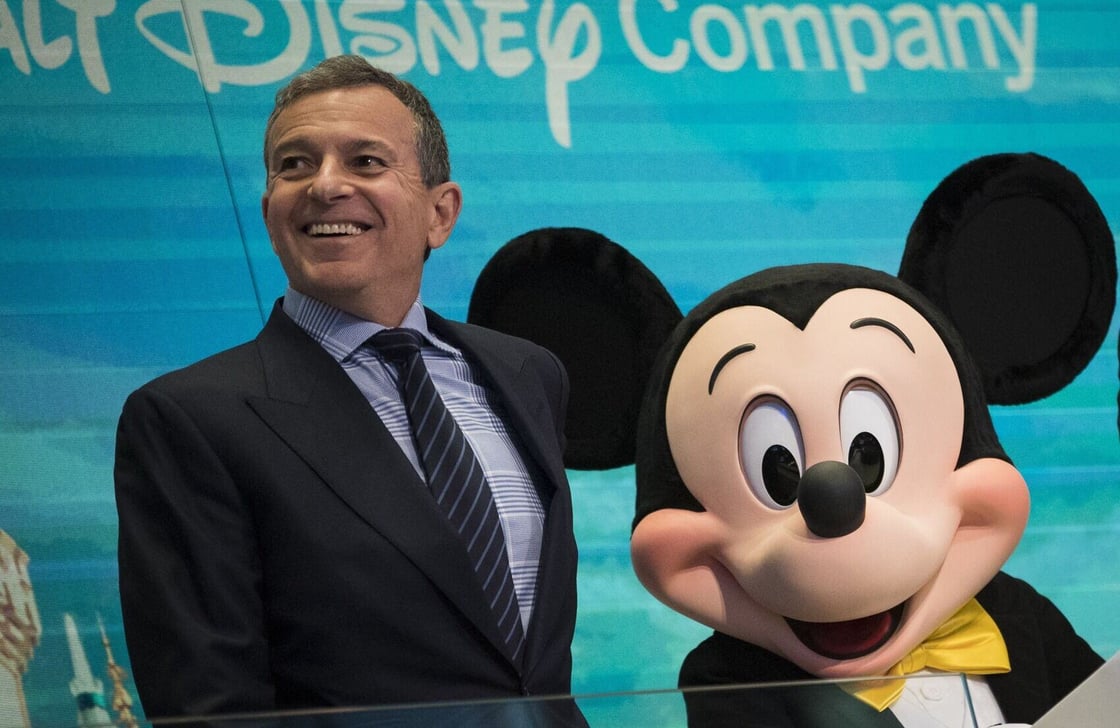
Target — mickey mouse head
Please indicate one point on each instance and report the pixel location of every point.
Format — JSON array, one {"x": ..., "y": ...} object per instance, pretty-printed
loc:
[{"x": 817, "y": 471}]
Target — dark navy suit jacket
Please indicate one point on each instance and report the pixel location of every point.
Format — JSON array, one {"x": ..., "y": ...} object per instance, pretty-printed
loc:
[{"x": 277, "y": 550}]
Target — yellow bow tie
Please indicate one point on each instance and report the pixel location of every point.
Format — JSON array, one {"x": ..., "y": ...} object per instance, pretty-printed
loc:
[{"x": 969, "y": 642}]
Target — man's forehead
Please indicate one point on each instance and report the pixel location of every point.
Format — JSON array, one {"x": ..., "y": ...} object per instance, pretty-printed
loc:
[
  {"x": 358, "y": 122},
  {"x": 361, "y": 106}
]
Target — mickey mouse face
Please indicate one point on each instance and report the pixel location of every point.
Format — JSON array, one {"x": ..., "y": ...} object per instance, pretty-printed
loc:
[{"x": 825, "y": 459}]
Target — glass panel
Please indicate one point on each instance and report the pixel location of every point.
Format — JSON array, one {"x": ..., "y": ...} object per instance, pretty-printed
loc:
[{"x": 930, "y": 701}]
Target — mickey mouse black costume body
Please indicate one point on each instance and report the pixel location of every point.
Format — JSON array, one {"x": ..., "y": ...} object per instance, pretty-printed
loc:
[{"x": 818, "y": 477}]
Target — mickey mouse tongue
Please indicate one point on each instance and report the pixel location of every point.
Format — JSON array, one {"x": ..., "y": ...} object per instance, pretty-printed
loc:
[{"x": 849, "y": 639}]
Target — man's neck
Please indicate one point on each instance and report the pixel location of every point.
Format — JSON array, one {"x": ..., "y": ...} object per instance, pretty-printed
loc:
[
  {"x": 387, "y": 310},
  {"x": 389, "y": 316}
]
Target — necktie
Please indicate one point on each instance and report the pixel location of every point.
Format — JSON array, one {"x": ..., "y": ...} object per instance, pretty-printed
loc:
[
  {"x": 455, "y": 478},
  {"x": 969, "y": 642}
]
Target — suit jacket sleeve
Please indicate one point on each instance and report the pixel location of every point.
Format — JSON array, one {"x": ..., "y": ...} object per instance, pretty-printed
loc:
[{"x": 189, "y": 569}]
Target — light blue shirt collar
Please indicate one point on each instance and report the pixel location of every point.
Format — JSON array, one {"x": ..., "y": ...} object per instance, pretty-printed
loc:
[{"x": 341, "y": 333}]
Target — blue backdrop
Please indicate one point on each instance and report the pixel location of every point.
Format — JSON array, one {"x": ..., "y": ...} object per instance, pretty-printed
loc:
[{"x": 712, "y": 139}]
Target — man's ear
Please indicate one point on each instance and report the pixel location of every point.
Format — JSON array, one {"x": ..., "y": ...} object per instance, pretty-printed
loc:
[
  {"x": 447, "y": 201},
  {"x": 1015, "y": 251},
  {"x": 264, "y": 216}
]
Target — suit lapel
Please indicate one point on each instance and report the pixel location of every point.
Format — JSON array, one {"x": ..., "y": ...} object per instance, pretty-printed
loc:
[
  {"x": 524, "y": 402},
  {"x": 530, "y": 418},
  {"x": 315, "y": 408}
]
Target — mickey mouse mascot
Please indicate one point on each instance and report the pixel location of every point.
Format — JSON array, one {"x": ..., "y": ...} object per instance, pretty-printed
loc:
[{"x": 818, "y": 477}]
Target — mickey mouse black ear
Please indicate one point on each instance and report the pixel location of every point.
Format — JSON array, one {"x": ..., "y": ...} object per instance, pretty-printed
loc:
[
  {"x": 600, "y": 310},
  {"x": 1016, "y": 252}
]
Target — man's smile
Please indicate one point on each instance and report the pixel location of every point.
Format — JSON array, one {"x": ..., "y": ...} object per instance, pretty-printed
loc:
[{"x": 334, "y": 229}]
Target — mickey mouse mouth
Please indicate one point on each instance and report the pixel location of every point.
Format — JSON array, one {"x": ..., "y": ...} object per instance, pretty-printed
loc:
[{"x": 849, "y": 639}]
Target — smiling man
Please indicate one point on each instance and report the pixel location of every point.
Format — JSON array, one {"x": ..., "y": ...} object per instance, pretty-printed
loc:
[
  {"x": 289, "y": 535},
  {"x": 351, "y": 212}
]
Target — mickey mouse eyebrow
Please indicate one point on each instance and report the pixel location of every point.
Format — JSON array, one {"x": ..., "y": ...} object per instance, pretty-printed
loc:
[
  {"x": 859, "y": 323},
  {"x": 741, "y": 349}
]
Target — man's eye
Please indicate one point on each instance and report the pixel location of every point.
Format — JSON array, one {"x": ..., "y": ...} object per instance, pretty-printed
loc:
[
  {"x": 367, "y": 161},
  {"x": 288, "y": 164}
]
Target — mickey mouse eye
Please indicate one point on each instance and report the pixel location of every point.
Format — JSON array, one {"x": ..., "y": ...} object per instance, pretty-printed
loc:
[
  {"x": 870, "y": 429},
  {"x": 771, "y": 452}
]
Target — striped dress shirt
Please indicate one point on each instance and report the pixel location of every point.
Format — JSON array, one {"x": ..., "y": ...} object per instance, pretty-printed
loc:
[{"x": 473, "y": 406}]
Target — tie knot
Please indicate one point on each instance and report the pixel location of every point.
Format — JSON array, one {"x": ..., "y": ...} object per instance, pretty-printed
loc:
[{"x": 397, "y": 345}]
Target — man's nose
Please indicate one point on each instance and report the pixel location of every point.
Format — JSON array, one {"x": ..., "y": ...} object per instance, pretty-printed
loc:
[{"x": 330, "y": 183}]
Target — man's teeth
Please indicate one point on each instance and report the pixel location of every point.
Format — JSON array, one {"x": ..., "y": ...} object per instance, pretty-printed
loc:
[{"x": 335, "y": 228}]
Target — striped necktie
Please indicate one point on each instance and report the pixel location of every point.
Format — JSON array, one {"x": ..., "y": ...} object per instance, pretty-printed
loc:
[{"x": 455, "y": 478}]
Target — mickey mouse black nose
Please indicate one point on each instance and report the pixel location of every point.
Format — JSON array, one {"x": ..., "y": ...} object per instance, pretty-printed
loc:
[{"x": 832, "y": 499}]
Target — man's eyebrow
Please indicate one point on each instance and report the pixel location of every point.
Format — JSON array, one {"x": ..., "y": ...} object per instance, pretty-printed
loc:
[
  {"x": 871, "y": 321},
  {"x": 363, "y": 144},
  {"x": 350, "y": 146},
  {"x": 289, "y": 143},
  {"x": 284, "y": 148},
  {"x": 723, "y": 360}
]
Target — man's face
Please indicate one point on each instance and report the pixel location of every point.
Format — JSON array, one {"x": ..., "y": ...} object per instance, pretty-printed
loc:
[{"x": 345, "y": 207}]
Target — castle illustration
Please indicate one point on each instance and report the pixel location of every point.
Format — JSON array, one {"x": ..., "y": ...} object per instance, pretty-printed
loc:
[{"x": 20, "y": 632}]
